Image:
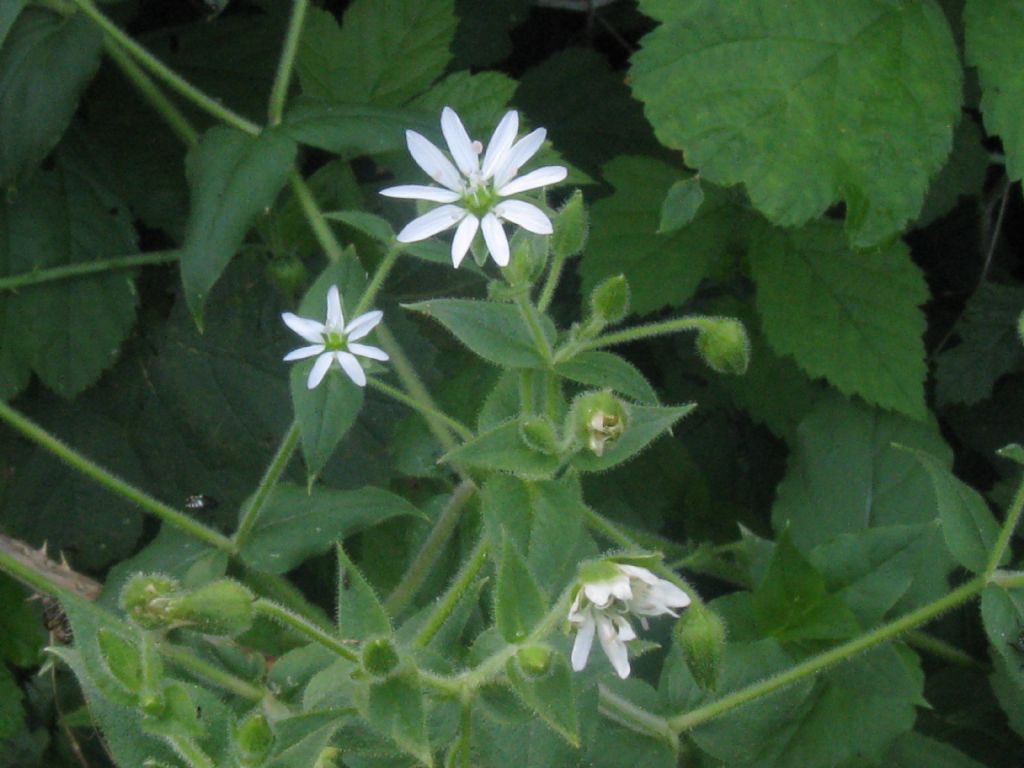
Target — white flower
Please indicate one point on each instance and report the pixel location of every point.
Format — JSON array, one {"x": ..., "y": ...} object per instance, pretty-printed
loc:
[
  {"x": 472, "y": 191},
  {"x": 333, "y": 341},
  {"x": 601, "y": 606}
]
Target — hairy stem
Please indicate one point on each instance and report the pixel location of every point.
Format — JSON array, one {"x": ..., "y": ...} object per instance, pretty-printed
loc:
[
  {"x": 277, "y": 465},
  {"x": 188, "y": 661},
  {"x": 377, "y": 281},
  {"x": 446, "y": 606},
  {"x": 71, "y": 271},
  {"x": 279, "y": 91},
  {"x": 315, "y": 218},
  {"x": 533, "y": 323},
  {"x": 547, "y": 293},
  {"x": 635, "y": 717},
  {"x": 305, "y": 628},
  {"x": 1006, "y": 533},
  {"x": 630, "y": 334},
  {"x": 427, "y": 412}
]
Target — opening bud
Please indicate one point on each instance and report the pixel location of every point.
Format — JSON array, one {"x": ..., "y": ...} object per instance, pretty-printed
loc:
[
  {"x": 534, "y": 660},
  {"x": 253, "y": 740},
  {"x": 538, "y": 433},
  {"x": 380, "y": 657},
  {"x": 148, "y": 599},
  {"x": 724, "y": 345},
  {"x": 221, "y": 607},
  {"x": 599, "y": 419},
  {"x": 609, "y": 301},
  {"x": 529, "y": 255},
  {"x": 571, "y": 225},
  {"x": 288, "y": 273},
  {"x": 701, "y": 636}
]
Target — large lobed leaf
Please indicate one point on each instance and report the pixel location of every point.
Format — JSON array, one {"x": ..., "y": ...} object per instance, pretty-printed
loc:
[{"x": 806, "y": 103}]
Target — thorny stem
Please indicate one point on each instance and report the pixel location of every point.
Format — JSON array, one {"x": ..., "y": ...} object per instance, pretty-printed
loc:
[
  {"x": 412, "y": 579},
  {"x": 427, "y": 412},
  {"x": 467, "y": 574},
  {"x": 277, "y": 465},
  {"x": 70, "y": 271},
  {"x": 305, "y": 627},
  {"x": 279, "y": 91}
]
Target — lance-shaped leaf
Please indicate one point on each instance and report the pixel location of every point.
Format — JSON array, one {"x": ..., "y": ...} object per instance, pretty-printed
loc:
[
  {"x": 606, "y": 370},
  {"x": 360, "y": 613},
  {"x": 550, "y": 694},
  {"x": 232, "y": 178},
  {"x": 503, "y": 448},
  {"x": 518, "y": 602},
  {"x": 644, "y": 424},
  {"x": 394, "y": 708},
  {"x": 296, "y": 524},
  {"x": 496, "y": 332},
  {"x": 968, "y": 526}
]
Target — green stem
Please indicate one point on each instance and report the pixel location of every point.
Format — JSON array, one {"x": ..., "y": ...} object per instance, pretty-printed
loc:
[
  {"x": 533, "y": 322},
  {"x": 1008, "y": 579},
  {"x": 152, "y": 506},
  {"x": 943, "y": 650},
  {"x": 427, "y": 412},
  {"x": 189, "y": 751},
  {"x": 688, "y": 720},
  {"x": 451, "y": 598},
  {"x": 551, "y": 283},
  {"x": 168, "y": 111},
  {"x": 304, "y": 627},
  {"x": 162, "y": 72},
  {"x": 287, "y": 594},
  {"x": 284, "y": 453},
  {"x": 444, "y": 526},
  {"x": 377, "y": 281},
  {"x": 211, "y": 673},
  {"x": 279, "y": 91},
  {"x": 527, "y": 399},
  {"x": 1006, "y": 533},
  {"x": 37, "y": 276},
  {"x": 634, "y": 717},
  {"x": 630, "y": 334},
  {"x": 315, "y": 217}
]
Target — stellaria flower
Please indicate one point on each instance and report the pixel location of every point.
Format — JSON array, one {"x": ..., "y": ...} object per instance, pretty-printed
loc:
[
  {"x": 477, "y": 195},
  {"x": 334, "y": 341},
  {"x": 602, "y": 605}
]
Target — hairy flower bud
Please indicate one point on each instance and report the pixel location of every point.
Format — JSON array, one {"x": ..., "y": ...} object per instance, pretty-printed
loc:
[
  {"x": 252, "y": 740},
  {"x": 609, "y": 301},
  {"x": 222, "y": 607},
  {"x": 534, "y": 660},
  {"x": 724, "y": 345},
  {"x": 598, "y": 419},
  {"x": 701, "y": 636},
  {"x": 571, "y": 225},
  {"x": 149, "y": 598},
  {"x": 380, "y": 657}
]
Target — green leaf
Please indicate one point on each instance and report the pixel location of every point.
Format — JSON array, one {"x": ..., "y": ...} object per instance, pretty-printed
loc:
[
  {"x": 775, "y": 96},
  {"x": 989, "y": 346},
  {"x": 299, "y": 740},
  {"x": 367, "y": 223},
  {"x": 662, "y": 270},
  {"x": 606, "y": 370},
  {"x": 645, "y": 424},
  {"x": 681, "y": 204},
  {"x": 8, "y": 15},
  {"x": 496, "y": 332},
  {"x": 12, "y": 714},
  {"x": 502, "y": 448},
  {"x": 395, "y": 709},
  {"x": 233, "y": 177},
  {"x": 46, "y": 61},
  {"x": 68, "y": 331},
  {"x": 914, "y": 750},
  {"x": 297, "y": 524},
  {"x": 378, "y": 58},
  {"x": 360, "y": 613},
  {"x": 968, "y": 526},
  {"x": 518, "y": 602},
  {"x": 963, "y": 175},
  {"x": 352, "y": 129},
  {"x": 480, "y": 98},
  {"x": 852, "y": 317},
  {"x": 550, "y": 695},
  {"x": 21, "y": 634},
  {"x": 993, "y": 32}
]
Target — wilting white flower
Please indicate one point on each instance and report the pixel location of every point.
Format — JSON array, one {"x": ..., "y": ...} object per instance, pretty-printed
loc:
[
  {"x": 601, "y": 607},
  {"x": 334, "y": 341},
  {"x": 477, "y": 194}
]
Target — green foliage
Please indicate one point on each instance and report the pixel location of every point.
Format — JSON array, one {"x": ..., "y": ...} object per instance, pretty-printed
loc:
[
  {"x": 518, "y": 603},
  {"x": 360, "y": 614}
]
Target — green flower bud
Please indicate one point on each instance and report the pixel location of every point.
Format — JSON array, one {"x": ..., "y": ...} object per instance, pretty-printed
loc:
[
  {"x": 149, "y": 598},
  {"x": 724, "y": 345},
  {"x": 529, "y": 254},
  {"x": 122, "y": 659},
  {"x": 571, "y": 225},
  {"x": 538, "y": 433},
  {"x": 534, "y": 660},
  {"x": 287, "y": 273},
  {"x": 221, "y": 607},
  {"x": 598, "y": 419},
  {"x": 701, "y": 636},
  {"x": 253, "y": 740},
  {"x": 609, "y": 301},
  {"x": 380, "y": 657}
]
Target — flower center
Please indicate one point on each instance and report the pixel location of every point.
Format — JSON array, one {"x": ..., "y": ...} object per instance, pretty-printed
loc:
[
  {"x": 479, "y": 198},
  {"x": 334, "y": 341}
]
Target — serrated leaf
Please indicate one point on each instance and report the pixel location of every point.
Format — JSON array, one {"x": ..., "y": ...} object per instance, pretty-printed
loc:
[
  {"x": 232, "y": 178},
  {"x": 662, "y": 270},
  {"x": 46, "y": 61},
  {"x": 360, "y": 612},
  {"x": 496, "y": 332},
  {"x": 606, "y": 370},
  {"x": 993, "y": 31},
  {"x": 395, "y": 709},
  {"x": 732, "y": 84},
  {"x": 852, "y": 317},
  {"x": 379, "y": 58},
  {"x": 518, "y": 602},
  {"x": 352, "y": 129},
  {"x": 989, "y": 346},
  {"x": 682, "y": 201},
  {"x": 963, "y": 175},
  {"x": 502, "y": 448},
  {"x": 968, "y": 526},
  {"x": 645, "y": 423},
  {"x": 480, "y": 98},
  {"x": 297, "y": 524},
  {"x": 550, "y": 695}
]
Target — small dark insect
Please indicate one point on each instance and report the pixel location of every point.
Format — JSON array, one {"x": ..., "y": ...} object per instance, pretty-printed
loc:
[
  {"x": 201, "y": 502},
  {"x": 56, "y": 621}
]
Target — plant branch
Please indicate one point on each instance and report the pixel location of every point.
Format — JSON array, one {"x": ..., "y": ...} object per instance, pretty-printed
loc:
[
  {"x": 304, "y": 627},
  {"x": 533, "y": 323},
  {"x": 278, "y": 463},
  {"x": 635, "y": 717},
  {"x": 446, "y": 606},
  {"x": 279, "y": 91},
  {"x": 428, "y": 412},
  {"x": 81, "y": 269},
  {"x": 1006, "y": 532},
  {"x": 315, "y": 217}
]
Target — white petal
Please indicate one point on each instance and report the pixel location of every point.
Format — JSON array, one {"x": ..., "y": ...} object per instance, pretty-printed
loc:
[
  {"x": 308, "y": 329},
  {"x": 421, "y": 192},
  {"x": 501, "y": 141},
  {"x": 303, "y": 352},
  {"x": 459, "y": 143},
  {"x": 584, "y": 640},
  {"x": 365, "y": 350},
  {"x": 636, "y": 572},
  {"x": 622, "y": 589},
  {"x": 441, "y": 218},
  {"x": 335, "y": 319},
  {"x": 625, "y": 629},
  {"x": 352, "y": 367},
  {"x": 363, "y": 324},
  {"x": 668, "y": 594},
  {"x": 614, "y": 648},
  {"x": 549, "y": 174},
  {"x": 433, "y": 162},
  {"x": 518, "y": 156},
  {"x": 319, "y": 370},
  {"x": 599, "y": 592},
  {"x": 464, "y": 238},
  {"x": 526, "y": 215},
  {"x": 495, "y": 238}
]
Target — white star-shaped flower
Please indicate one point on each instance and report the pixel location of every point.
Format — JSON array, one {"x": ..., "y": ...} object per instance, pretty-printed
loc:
[
  {"x": 334, "y": 341},
  {"x": 477, "y": 195},
  {"x": 601, "y": 608}
]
